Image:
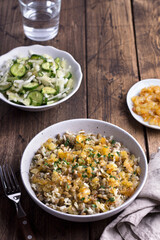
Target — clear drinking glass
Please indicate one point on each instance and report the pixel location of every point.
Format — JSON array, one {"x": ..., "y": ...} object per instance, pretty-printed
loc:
[{"x": 40, "y": 18}]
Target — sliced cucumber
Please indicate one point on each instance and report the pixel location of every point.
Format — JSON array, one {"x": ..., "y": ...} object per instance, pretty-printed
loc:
[
  {"x": 40, "y": 74},
  {"x": 11, "y": 79},
  {"x": 57, "y": 66},
  {"x": 47, "y": 66},
  {"x": 5, "y": 86},
  {"x": 18, "y": 70},
  {"x": 50, "y": 102},
  {"x": 57, "y": 62},
  {"x": 57, "y": 89},
  {"x": 30, "y": 86},
  {"x": 27, "y": 101},
  {"x": 29, "y": 65},
  {"x": 36, "y": 98},
  {"x": 21, "y": 92},
  {"x": 68, "y": 75},
  {"x": 37, "y": 57},
  {"x": 69, "y": 84},
  {"x": 48, "y": 90},
  {"x": 52, "y": 75},
  {"x": 39, "y": 88}
]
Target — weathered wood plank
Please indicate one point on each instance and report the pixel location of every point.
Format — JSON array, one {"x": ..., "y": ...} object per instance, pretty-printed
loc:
[
  {"x": 112, "y": 70},
  {"x": 147, "y": 30},
  {"x": 112, "y": 63},
  {"x": 18, "y": 127}
]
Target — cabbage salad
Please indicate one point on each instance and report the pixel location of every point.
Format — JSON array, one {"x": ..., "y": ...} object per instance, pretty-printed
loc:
[{"x": 35, "y": 80}]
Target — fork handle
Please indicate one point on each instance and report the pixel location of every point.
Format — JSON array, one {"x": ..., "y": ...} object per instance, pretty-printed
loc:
[{"x": 26, "y": 229}]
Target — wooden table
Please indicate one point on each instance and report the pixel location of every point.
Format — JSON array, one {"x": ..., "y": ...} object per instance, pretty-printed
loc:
[{"x": 117, "y": 43}]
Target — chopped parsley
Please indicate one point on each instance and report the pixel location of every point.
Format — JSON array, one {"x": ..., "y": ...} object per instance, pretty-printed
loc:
[
  {"x": 98, "y": 155},
  {"x": 82, "y": 199},
  {"x": 84, "y": 166},
  {"x": 96, "y": 161},
  {"x": 110, "y": 155},
  {"x": 111, "y": 176},
  {"x": 66, "y": 162},
  {"x": 88, "y": 139},
  {"x": 75, "y": 166},
  {"x": 66, "y": 143},
  {"x": 118, "y": 154},
  {"x": 59, "y": 170},
  {"x": 94, "y": 205},
  {"x": 92, "y": 155},
  {"x": 112, "y": 199},
  {"x": 84, "y": 175},
  {"x": 113, "y": 141}
]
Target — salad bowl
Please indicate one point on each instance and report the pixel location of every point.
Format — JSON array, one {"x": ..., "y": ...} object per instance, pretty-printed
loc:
[{"x": 38, "y": 51}]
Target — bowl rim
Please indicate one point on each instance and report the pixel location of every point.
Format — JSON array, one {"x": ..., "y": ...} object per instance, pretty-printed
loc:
[
  {"x": 86, "y": 218},
  {"x": 43, "y": 107}
]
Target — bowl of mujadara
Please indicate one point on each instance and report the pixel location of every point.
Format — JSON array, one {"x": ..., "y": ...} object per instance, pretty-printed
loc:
[{"x": 83, "y": 170}]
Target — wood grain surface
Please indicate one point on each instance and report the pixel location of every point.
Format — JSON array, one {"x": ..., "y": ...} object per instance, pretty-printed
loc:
[
  {"x": 147, "y": 33},
  {"x": 117, "y": 43}
]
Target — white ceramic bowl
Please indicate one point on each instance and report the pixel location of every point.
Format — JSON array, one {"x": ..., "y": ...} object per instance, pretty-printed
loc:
[
  {"x": 90, "y": 126},
  {"x": 134, "y": 91},
  {"x": 53, "y": 52}
]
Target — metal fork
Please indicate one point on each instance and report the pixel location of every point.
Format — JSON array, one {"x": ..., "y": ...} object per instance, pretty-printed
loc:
[{"x": 12, "y": 191}]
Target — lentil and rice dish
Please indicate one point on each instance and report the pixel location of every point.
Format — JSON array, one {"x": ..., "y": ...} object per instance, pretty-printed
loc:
[{"x": 84, "y": 173}]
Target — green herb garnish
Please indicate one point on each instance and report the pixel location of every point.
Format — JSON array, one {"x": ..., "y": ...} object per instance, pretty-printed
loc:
[
  {"x": 110, "y": 155},
  {"x": 75, "y": 166},
  {"x": 111, "y": 176},
  {"x": 111, "y": 199},
  {"x": 94, "y": 205},
  {"x": 118, "y": 154},
  {"x": 66, "y": 143},
  {"x": 84, "y": 175},
  {"x": 113, "y": 142},
  {"x": 98, "y": 155}
]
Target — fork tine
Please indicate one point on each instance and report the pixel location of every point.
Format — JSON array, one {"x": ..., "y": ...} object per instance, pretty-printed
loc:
[
  {"x": 11, "y": 178},
  {"x": 3, "y": 180},
  {"x": 16, "y": 184},
  {"x": 7, "y": 178}
]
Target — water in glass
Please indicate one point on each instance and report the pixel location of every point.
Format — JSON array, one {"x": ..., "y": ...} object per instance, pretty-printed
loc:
[{"x": 41, "y": 19}]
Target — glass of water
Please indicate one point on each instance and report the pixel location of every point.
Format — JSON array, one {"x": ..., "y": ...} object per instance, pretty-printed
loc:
[{"x": 40, "y": 18}]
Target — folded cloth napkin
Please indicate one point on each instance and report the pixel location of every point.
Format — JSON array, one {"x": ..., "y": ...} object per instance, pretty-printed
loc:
[{"x": 141, "y": 220}]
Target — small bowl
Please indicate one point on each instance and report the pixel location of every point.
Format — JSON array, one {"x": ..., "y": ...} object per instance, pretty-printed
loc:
[
  {"x": 90, "y": 126},
  {"x": 53, "y": 52},
  {"x": 134, "y": 91}
]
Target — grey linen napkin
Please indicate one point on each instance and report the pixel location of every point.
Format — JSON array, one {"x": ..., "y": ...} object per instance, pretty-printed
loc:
[{"x": 141, "y": 220}]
